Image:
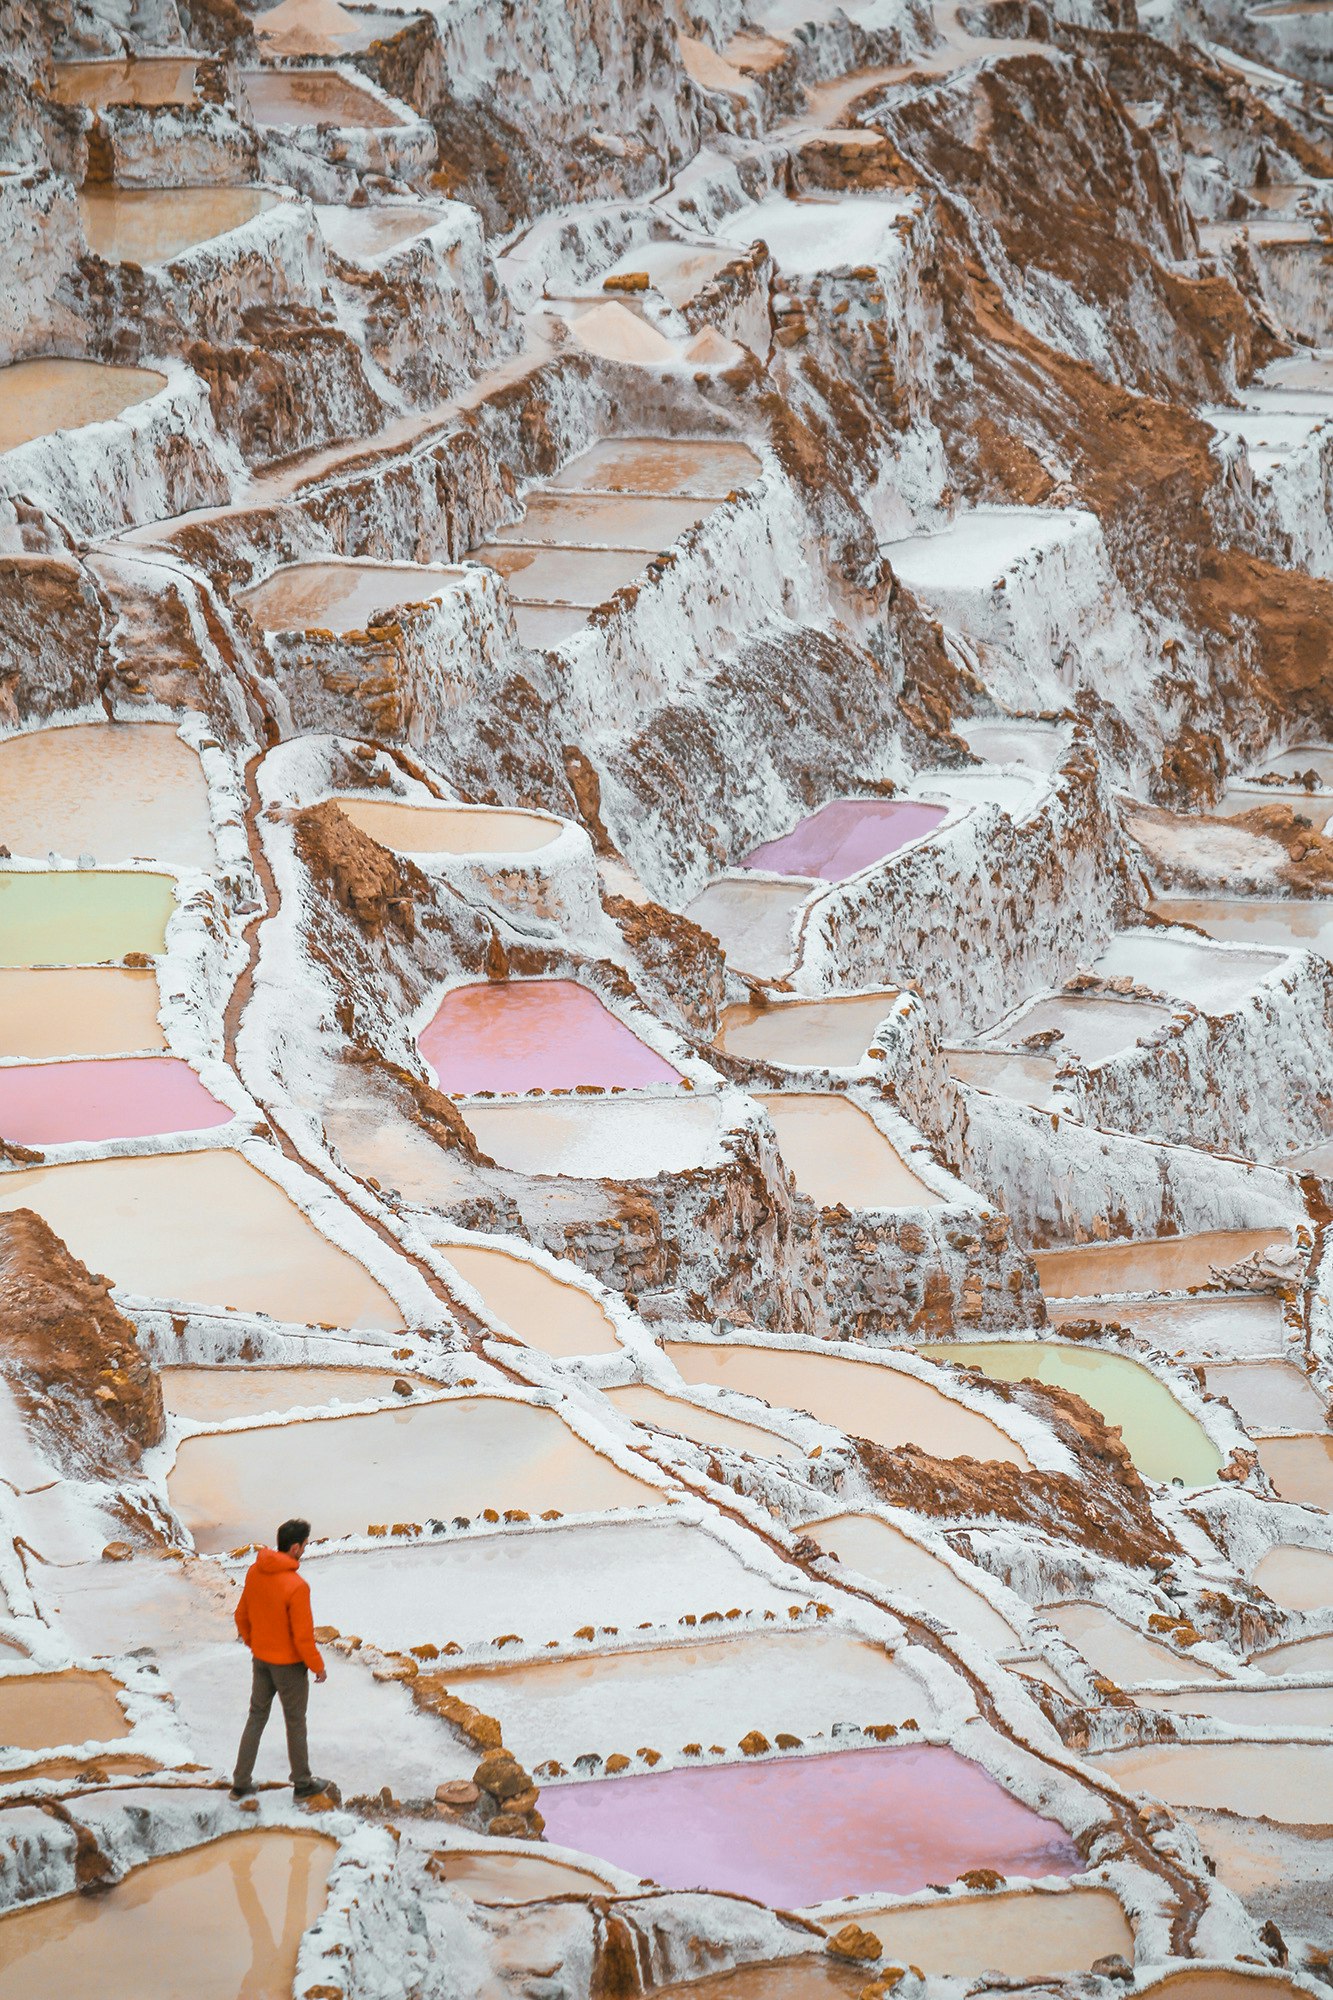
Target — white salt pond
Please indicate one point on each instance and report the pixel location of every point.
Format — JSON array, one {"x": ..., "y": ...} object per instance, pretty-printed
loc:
[
  {"x": 53, "y": 394},
  {"x": 809, "y": 235},
  {"x": 1288, "y": 1782},
  {"x": 118, "y": 791},
  {"x": 544, "y": 1311},
  {"x": 219, "y": 1394},
  {"x": 754, "y": 922},
  {"x": 1118, "y": 1651},
  {"x": 1268, "y": 1395},
  {"x": 1152, "y": 1264},
  {"x": 364, "y": 234},
  {"x": 676, "y": 270},
  {"x": 1025, "y": 1079},
  {"x": 657, "y": 1411},
  {"x": 839, "y": 1157},
  {"x": 713, "y": 1692},
  {"x": 491, "y": 1876},
  {"x": 1037, "y": 1932},
  {"x": 48, "y": 1711},
  {"x": 444, "y": 829},
  {"x": 876, "y": 1549},
  {"x": 233, "y": 1913},
  {"x": 1091, "y": 1028},
  {"x": 1280, "y": 920},
  {"x": 805, "y": 1034},
  {"x": 153, "y": 225},
  {"x": 543, "y": 1584},
  {"x": 1213, "y": 978},
  {"x": 1299, "y": 1579},
  {"x": 1039, "y": 745},
  {"x": 977, "y": 546},
  {"x": 341, "y": 595},
  {"x": 593, "y": 1138},
  {"x": 1207, "y": 1328},
  {"x": 60, "y": 1011},
  {"x": 425, "y": 1461},
  {"x": 1295, "y": 1710},
  {"x": 1301, "y": 1469},
  {"x": 138, "y": 1220},
  {"x": 863, "y": 1398}
]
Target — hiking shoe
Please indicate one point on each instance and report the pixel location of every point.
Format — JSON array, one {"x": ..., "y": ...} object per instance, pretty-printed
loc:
[
  {"x": 242, "y": 1792},
  {"x": 315, "y": 1788}
]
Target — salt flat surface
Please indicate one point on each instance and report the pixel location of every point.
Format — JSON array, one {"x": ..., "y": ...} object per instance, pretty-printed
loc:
[
  {"x": 1014, "y": 792},
  {"x": 1213, "y": 978},
  {"x": 1040, "y": 745},
  {"x": 542, "y": 1585},
  {"x": 978, "y": 546},
  {"x": 752, "y": 921},
  {"x": 340, "y": 596},
  {"x": 1093, "y": 1029},
  {"x": 1269, "y": 1395},
  {"x": 877, "y": 1549},
  {"x": 1202, "y": 1329},
  {"x": 217, "y": 1395},
  {"x": 806, "y": 236},
  {"x": 616, "y": 1138},
  {"x": 677, "y": 270}
]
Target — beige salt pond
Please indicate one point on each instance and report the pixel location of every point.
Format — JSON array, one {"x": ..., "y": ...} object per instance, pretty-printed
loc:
[
  {"x": 1254, "y": 920},
  {"x": 217, "y": 1395},
  {"x": 1299, "y": 1656},
  {"x": 147, "y": 80},
  {"x": 427, "y": 830},
  {"x": 863, "y": 1398},
  {"x": 366, "y": 233},
  {"x": 117, "y": 791},
  {"x": 805, "y": 1034},
  {"x": 39, "y": 397},
  {"x": 544, "y": 1311},
  {"x": 44, "y": 1711},
  {"x": 838, "y": 1156},
  {"x": 1291, "y": 1783},
  {"x": 1156, "y": 1264},
  {"x": 877, "y": 1549},
  {"x": 1268, "y": 1395},
  {"x": 692, "y": 468},
  {"x": 288, "y": 98},
  {"x": 83, "y": 1011},
  {"x": 608, "y": 521},
  {"x": 787, "y": 1979},
  {"x": 591, "y": 1138},
  {"x": 229, "y": 1917},
  {"x": 1301, "y": 1469},
  {"x": 153, "y": 225},
  {"x": 1119, "y": 1652},
  {"x": 660, "y": 1412},
  {"x": 488, "y": 1876},
  {"x": 1298, "y": 1579},
  {"x": 564, "y": 576},
  {"x": 341, "y": 596},
  {"x": 1025, "y": 1936},
  {"x": 426, "y": 1461},
  {"x": 1025, "y": 1079},
  {"x": 174, "y": 1226},
  {"x": 1296, "y": 1711},
  {"x": 753, "y": 921},
  {"x": 1210, "y": 1327},
  {"x": 1091, "y": 1028}
]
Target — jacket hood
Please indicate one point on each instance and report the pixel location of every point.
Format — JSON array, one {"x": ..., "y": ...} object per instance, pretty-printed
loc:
[{"x": 270, "y": 1562}]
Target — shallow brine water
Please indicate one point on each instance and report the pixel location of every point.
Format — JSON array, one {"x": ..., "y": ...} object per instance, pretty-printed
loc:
[
  {"x": 451, "y": 829},
  {"x": 1162, "y": 1438},
  {"x": 794, "y": 1831},
  {"x": 1117, "y": 1650},
  {"x": 555, "y": 1316},
  {"x": 1298, "y": 1579},
  {"x": 1213, "y": 1326},
  {"x": 216, "y": 1395},
  {"x": 290, "y": 97},
  {"x": 863, "y": 1398},
  {"x": 1212, "y": 978},
  {"x": 340, "y": 596},
  {"x": 53, "y": 394},
  {"x": 55, "y": 1012},
  {"x": 844, "y": 837},
  {"x": 366, "y": 233},
  {"x": 423, "y": 1462},
  {"x": 608, "y": 521},
  {"x": 801, "y": 1034},
  {"x": 1299, "y": 1656},
  {"x": 1301, "y": 1469},
  {"x": 535, "y": 1034},
  {"x": 594, "y": 1138},
  {"x": 1090, "y": 1028},
  {"x": 1023, "y": 1937},
  {"x": 754, "y": 922},
  {"x": 1296, "y": 1710},
  {"x": 837, "y": 1154},
  {"x": 203, "y": 1227},
  {"x": 229, "y": 1917},
  {"x": 1026, "y": 1079},
  {"x": 1159, "y": 1264},
  {"x": 585, "y": 577},
  {"x": 118, "y": 1097},
  {"x": 1253, "y": 920},
  {"x": 490, "y": 1877},
  {"x": 892, "y": 1559},
  {"x": 1288, "y": 1782},
  {"x": 153, "y": 225},
  {"x": 694, "y": 467},
  {"x": 117, "y": 791},
  {"x": 132, "y": 80},
  {"x": 707, "y": 1427},
  {"x": 1269, "y": 1395},
  {"x": 44, "y": 1711},
  {"x": 81, "y": 916}
]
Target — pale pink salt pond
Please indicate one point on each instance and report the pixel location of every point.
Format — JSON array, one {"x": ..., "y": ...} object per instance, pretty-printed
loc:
[
  {"x": 794, "y": 1831},
  {"x": 535, "y": 1034},
  {"x": 844, "y": 837},
  {"x": 120, "y": 1097}
]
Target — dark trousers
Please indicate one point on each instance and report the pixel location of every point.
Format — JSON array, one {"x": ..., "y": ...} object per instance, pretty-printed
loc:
[{"x": 292, "y": 1687}]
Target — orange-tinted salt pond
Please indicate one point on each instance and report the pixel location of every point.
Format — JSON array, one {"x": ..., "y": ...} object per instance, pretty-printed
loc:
[
  {"x": 1268, "y": 1395},
  {"x": 117, "y": 791},
  {"x": 1090, "y": 1028},
  {"x": 494, "y": 1877},
  {"x": 891, "y": 1820},
  {"x": 85, "y": 1012},
  {"x": 81, "y": 916},
  {"x": 864, "y": 1398},
  {"x": 1301, "y": 1469},
  {"x": 837, "y": 1154},
  {"x": 293, "y": 97},
  {"x": 44, "y": 1711},
  {"x": 1254, "y": 920},
  {"x": 1026, "y": 1936},
  {"x": 38, "y": 397},
  {"x": 222, "y": 1922},
  {"x": 754, "y": 922},
  {"x": 844, "y": 837},
  {"x": 1288, "y": 1782},
  {"x": 137, "y": 80},
  {"x": 1159, "y": 1264},
  {"x": 152, "y": 225},
  {"x": 690, "y": 1420},
  {"x": 340, "y": 596},
  {"x": 430, "y": 830},
  {"x": 544, "y": 1311},
  {"x": 877, "y": 1549},
  {"x": 694, "y": 467},
  {"x": 117, "y": 1097},
  {"x": 425, "y": 1461},
  {"x": 605, "y": 521},
  {"x": 1117, "y": 1650},
  {"x": 1298, "y": 1579},
  {"x": 535, "y": 1034},
  {"x": 1026, "y": 1079},
  {"x": 173, "y": 1226},
  {"x": 801, "y": 1978},
  {"x": 585, "y": 577},
  {"x": 1219, "y": 1983},
  {"x": 799, "y": 1034},
  {"x": 215, "y": 1395}
]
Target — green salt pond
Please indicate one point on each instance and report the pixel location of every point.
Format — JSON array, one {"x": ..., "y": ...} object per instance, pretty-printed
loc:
[
  {"x": 81, "y": 916},
  {"x": 1162, "y": 1438}
]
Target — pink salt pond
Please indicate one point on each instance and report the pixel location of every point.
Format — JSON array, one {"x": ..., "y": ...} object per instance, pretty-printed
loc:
[
  {"x": 123, "y": 1097},
  {"x": 535, "y": 1034},
  {"x": 846, "y": 836},
  {"x": 798, "y": 1830}
]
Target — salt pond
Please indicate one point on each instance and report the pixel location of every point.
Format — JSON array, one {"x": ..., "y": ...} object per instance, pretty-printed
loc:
[
  {"x": 443, "y": 829},
  {"x": 153, "y": 225},
  {"x": 295, "y": 97},
  {"x": 45, "y": 1711},
  {"x": 1295, "y": 1710},
  {"x": 425, "y": 1461},
  {"x": 704, "y": 1426},
  {"x": 1090, "y": 1028},
  {"x": 544, "y": 1311},
  {"x": 364, "y": 234},
  {"x": 1288, "y": 1782},
  {"x": 598, "y": 520},
  {"x": 1299, "y": 1656},
  {"x": 147, "y": 80},
  {"x": 889, "y": 1820},
  {"x": 116, "y": 1097},
  {"x": 1117, "y": 1650},
  {"x": 56, "y": 1012},
  {"x": 1268, "y": 1395},
  {"x": 81, "y": 916},
  {"x": 1299, "y": 1579},
  {"x": 1163, "y": 1439},
  {"x": 837, "y": 1154},
  {"x": 594, "y": 1138},
  {"x": 1301, "y": 1469},
  {"x": 805, "y": 1034},
  {"x": 535, "y": 1034},
  {"x": 217, "y": 1395},
  {"x": 864, "y": 1398},
  {"x": 697, "y": 467},
  {"x": 1025, "y": 1079},
  {"x": 1026, "y": 1936},
  {"x": 1157, "y": 1264},
  {"x": 491, "y": 1876},
  {"x": 1212, "y": 977},
  {"x": 1254, "y": 920},
  {"x": 844, "y": 837},
  {"x": 39, "y": 397},
  {"x": 890, "y": 1558},
  {"x": 754, "y": 922},
  {"x": 340, "y": 596},
  {"x": 1210, "y": 1327}
]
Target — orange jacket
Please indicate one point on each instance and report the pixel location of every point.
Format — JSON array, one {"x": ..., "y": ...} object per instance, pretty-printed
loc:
[{"x": 273, "y": 1613}]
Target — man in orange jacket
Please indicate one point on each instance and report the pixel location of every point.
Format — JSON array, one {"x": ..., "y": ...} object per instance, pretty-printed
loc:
[{"x": 274, "y": 1620}]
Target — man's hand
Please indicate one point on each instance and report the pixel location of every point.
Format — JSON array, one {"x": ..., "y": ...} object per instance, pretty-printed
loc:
[{"x": 320, "y": 1679}]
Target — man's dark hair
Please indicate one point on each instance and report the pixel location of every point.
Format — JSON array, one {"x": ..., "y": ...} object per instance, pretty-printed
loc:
[{"x": 292, "y": 1532}]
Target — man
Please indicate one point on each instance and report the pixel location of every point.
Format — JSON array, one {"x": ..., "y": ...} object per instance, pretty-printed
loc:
[{"x": 273, "y": 1619}]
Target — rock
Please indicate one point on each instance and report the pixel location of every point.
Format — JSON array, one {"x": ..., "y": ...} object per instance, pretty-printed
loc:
[
  {"x": 982, "y": 1878},
  {"x": 854, "y": 1943},
  {"x": 508, "y": 1826},
  {"x": 502, "y": 1776},
  {"x": 754, "y": 1743},
  {"x": 402, "y": 1387},
  {"x": 457, "y": 1792},
  {"x": 117, "y": 1552},
  {"x": 1113, "y": 1966}
]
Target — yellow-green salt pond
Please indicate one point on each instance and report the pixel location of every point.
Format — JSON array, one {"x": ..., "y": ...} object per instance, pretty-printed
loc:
[
  {"x": 1162, "y": 1438},
  {"x": 81, "y": 916}
]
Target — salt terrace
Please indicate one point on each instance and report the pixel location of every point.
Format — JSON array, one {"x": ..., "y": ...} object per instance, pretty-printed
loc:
[{"x": 666, "y": 958}]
